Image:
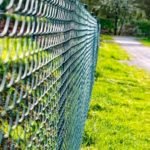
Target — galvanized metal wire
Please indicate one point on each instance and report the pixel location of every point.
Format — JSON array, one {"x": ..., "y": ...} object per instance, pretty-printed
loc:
[{"x": 48, "y": 52}]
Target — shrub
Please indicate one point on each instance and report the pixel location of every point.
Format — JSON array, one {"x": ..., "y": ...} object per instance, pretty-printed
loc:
[
  {"x": 143, "y": 27},
  {"x": 107, "y": 25}
]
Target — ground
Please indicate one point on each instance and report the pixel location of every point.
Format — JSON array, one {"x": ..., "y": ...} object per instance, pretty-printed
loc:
[
  {"x": 145, "y": 41},
  {"x": 118, "y": 118},
  {"x": 140, "y": 54}
]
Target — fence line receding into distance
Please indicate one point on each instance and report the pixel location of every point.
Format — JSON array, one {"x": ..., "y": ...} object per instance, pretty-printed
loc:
[{"x": 48, "y": 53}]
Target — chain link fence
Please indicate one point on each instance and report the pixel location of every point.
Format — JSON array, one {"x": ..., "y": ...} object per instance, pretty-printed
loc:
[{"x": 48, "y": 52}]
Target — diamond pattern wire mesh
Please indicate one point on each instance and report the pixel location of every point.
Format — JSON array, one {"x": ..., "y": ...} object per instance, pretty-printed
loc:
[{"x": 48, "y": 51}]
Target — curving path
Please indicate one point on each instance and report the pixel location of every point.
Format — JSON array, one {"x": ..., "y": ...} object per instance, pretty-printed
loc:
[{"x": 140, "y": 54}]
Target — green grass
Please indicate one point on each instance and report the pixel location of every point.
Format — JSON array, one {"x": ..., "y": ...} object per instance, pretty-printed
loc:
[
  {"x": 106, "y": 37},
  {"x": 118, "y": 118},
  {"x": 17, "y": 52},
  {"x": 145, "y": 41}
]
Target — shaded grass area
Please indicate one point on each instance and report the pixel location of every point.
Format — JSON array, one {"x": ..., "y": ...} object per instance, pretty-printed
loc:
[
  {"x": 118, "y": 118},
  {"x": 106, "y": 37},
  {"x": 145, "y": 41}
]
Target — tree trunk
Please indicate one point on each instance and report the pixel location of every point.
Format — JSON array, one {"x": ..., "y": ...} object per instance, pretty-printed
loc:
[
  {"x": 121, "y": 27},
  {"x": 116, "y": 24}
]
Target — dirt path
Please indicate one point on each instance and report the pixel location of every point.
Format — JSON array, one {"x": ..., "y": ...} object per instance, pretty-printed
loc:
[{"x": 140, "y": 54}]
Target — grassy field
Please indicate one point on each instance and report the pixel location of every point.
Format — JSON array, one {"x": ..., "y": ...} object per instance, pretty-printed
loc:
[
  {"x": 119, "y": 113},
  {"x": 145, "y": 41}
]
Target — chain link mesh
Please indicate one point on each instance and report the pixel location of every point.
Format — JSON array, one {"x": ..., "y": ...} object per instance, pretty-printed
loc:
[{"x": 48, "y": 51}]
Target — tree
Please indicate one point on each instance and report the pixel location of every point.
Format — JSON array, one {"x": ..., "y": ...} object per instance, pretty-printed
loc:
[
  {"x": 145, "y": 5},
  {"x": 3, "y": 4},
  {"x": 119, "y": 11}
]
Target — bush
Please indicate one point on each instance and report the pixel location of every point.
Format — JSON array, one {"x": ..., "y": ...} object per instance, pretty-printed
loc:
[
  {"x": 143, "y": 27},
  {"x": 107, "y": 25}
]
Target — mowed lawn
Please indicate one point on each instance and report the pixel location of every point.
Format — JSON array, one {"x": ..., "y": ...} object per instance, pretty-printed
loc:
[{"x": 119, "y": 115}]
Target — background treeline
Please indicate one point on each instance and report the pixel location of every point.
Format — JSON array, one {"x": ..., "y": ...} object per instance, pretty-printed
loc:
[{"x": 129, "y": 17}]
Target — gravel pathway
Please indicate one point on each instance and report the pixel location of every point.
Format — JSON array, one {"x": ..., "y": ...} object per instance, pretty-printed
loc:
[{"x": 140, "y": 54}]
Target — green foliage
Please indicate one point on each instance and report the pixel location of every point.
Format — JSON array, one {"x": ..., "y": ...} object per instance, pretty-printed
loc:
[
  {"x": 145, "y": 41},
  {"x": 88, "y": 140},
  {"x": 116, "y": 14},
  {"x": 11, "y": 48},
  {"x": 143, "y": 27},
  {"x": 4, "y": 4},
  {"x": 17, "y": 52},
  {"x": 144, "y": 5},
  {"x": 107, "y": 25},
  {"x": 119, "y": 110}
]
